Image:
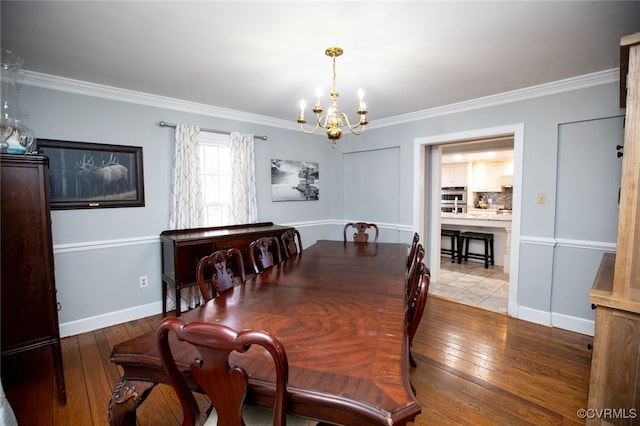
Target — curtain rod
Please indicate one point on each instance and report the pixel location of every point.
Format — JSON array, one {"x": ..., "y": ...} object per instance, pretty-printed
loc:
[{"x": 165, "y": 124}]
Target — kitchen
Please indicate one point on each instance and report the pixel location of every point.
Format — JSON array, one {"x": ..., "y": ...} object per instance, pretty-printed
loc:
[{"x": 476, "y": 197}]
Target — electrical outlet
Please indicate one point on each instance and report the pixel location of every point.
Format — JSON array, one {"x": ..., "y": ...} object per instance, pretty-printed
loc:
[
  {"x": 144, "y": 281},
  {"x": 541, "y": 198}
]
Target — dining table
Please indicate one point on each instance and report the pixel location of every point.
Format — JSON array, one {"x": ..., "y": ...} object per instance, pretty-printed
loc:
[{"x": 339, "y": 309}]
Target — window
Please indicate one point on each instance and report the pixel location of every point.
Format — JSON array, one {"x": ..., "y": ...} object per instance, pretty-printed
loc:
[{"x": 215, "y": 166}]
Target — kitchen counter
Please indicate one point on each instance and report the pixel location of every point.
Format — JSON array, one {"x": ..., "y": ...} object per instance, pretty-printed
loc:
[
  {"x": 488, "y": 219},
  {"x": 499, "y": 224}
]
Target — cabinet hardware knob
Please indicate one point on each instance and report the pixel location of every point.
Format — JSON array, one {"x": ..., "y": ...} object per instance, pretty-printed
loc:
[
  {"x": 59, "y": 306},
  {"x": 594, "y": 306},
  {"x": 590, "y": 346}
]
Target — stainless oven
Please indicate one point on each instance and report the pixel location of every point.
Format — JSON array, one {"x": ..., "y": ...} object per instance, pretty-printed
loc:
[{"x": 454, "y": 199}]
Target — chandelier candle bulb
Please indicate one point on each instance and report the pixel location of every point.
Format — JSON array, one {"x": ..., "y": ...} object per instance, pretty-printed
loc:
[{"x": 303, "y": 105}]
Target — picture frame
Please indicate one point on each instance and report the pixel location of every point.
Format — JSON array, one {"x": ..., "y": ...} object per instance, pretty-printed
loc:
[
  {"x": 293, "y": 180},
  {"x": 86, "y": 175}
]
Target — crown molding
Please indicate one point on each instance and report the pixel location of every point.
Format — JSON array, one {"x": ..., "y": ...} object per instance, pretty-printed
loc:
[
  {"x": 63, "y": 84},
  {"x": 560, "y": 86},
  {"x": 52, "y": 82}
]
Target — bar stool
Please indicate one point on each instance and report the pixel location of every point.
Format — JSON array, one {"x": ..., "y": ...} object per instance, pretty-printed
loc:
[
  {"x": 455, "y": 244},
  {"x": 487, "y": 256}
]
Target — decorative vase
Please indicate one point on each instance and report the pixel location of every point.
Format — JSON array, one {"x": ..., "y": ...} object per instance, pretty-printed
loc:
[{"x": 15, "y": 137}]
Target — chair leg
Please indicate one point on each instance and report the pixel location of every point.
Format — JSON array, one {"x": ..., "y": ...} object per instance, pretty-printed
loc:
[
  {"x": 453, "y": 248},
  {"x": 486, "y": 253}
]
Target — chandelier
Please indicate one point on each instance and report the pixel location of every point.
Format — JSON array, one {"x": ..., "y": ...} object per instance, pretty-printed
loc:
[{"x": 334, "y": 120}]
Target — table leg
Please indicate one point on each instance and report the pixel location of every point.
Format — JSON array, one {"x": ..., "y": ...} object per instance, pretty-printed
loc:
[
  {"x": 126, "y": 397},
  {"x": 164, "y": 298}
]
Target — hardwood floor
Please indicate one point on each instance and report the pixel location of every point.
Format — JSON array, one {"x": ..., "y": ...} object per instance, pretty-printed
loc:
[{"x": 475, "y": 367}]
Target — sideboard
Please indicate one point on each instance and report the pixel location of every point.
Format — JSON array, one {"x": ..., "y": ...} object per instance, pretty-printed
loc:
[{"x": 183, "y": 248}]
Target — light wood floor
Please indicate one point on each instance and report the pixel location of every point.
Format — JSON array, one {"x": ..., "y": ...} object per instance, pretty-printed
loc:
[{"x": 475, "y": 367}]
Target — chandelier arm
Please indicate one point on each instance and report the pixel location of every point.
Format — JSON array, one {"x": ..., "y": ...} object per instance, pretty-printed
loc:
[
  {"x": 353, "y": 128},
  {"x": 309, "y": 132}
]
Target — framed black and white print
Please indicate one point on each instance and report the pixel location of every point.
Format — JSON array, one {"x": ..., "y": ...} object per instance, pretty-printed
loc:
[
  {"x": 91, "y": 175},
  {"x": 294, "y": 180}
]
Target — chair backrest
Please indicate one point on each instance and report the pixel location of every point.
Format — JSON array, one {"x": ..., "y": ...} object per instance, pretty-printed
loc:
[
  {"x": 413, "y": 278},
  {"x": 264, "y": 253},
  {"x": 412, "y": 250},
  {"x": 291, "y": 242},
  {"x": 361, "y": 235},
  {"x": 417, "y": 303},
  {"x": 225, "y": 385},
  {"x": 227, "y": 268}
]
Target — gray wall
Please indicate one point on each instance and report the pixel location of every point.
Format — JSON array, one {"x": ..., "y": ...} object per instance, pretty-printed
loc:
[
  {"x": 569, "y": 154},
  {"x": 101, "y": 253}
]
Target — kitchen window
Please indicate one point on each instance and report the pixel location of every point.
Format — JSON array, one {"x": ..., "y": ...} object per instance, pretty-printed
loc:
[{"x": 215, "y": 166}]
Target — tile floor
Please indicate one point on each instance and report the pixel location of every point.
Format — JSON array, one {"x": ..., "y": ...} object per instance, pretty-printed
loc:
[{"x": 471, "y": 284}]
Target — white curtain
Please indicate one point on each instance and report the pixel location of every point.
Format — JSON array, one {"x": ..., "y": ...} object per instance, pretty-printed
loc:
[
  {"x": 186, "y": 194},
  {"x": 186, "y": 197},
  {"x": 244, "y": 205}
]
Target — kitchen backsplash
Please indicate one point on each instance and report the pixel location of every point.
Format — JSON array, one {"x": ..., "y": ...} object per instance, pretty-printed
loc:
[{"x": 503, "y": 199}]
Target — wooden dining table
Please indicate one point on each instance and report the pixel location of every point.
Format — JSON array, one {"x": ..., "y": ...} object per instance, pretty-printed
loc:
[{"x": 339, "y": 310}]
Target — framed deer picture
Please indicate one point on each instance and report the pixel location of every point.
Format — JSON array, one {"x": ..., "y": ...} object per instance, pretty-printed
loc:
[{"x": 86, "y": 175}]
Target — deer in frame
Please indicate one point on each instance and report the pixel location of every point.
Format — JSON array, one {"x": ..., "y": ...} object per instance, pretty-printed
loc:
[{"x": 111, "y": 177}]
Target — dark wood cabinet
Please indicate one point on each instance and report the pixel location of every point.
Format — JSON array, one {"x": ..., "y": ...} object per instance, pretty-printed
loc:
[
  {"x": 28, "y": 292},
  {"x": 183, "y": 248}
]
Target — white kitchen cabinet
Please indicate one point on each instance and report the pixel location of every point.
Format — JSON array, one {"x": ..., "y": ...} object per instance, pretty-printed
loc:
[
  {"x": 454, "y": 174},
  {"x": 486, "y": 176}
]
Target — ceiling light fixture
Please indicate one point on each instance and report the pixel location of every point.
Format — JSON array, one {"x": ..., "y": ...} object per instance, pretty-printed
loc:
[{"x": 334, "y": 120}]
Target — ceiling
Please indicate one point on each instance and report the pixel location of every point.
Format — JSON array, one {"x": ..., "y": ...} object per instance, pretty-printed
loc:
[{"x": 263, "y": 57}]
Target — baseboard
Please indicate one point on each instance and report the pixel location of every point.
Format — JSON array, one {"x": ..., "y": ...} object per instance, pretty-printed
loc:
[
  {"x": 534, "y": 315},
  {"x": 554, "y": 319},
  {"x": 571, "y": 323},
  {"x": 106, "y": 320}
]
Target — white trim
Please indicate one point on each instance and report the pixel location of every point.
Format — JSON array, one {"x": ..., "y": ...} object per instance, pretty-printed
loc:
[
  {"x": 534, "y": 315},
  {"x": 538, "y": 241},
  {"x": 574, "y": 83},
  {"x": 46, "y": 81},
  {"x": 104, "y": 244},
  {"x": 571, "y": 323},
  {"x": 585, "y": 244},
  {"x": 555, "y": 319},
  {"x": 85, "y": 325},
  {"x": 420, "y": 144}
]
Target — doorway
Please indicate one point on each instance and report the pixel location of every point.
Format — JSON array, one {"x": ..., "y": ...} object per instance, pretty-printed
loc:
[{"x": 427, "y": 187}]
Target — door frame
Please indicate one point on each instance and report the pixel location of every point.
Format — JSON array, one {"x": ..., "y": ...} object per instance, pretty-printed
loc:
[{"x": 426, "y": 220}]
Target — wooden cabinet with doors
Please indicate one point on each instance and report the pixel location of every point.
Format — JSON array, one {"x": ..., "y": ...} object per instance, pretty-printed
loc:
[
  {"x": 614, "y": 387},
  {"x": 454, "y": 174},
  {"x": 486, "y": 176},
  {"x": 27, "y": 286}
]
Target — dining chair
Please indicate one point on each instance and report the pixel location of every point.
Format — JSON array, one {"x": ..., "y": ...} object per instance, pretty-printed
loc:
[
  {"x": 264, "y": 253},
  {"x": 226, "y": 268},
  {"x": 413, "y": 280},
  {"x": 224, "y": 384},
  {"x": 412, "y": 250},
  {"x": 416, "y": 304},
  {"x": 291, "y": 242},
  {"x": 362, "y": 231}
]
